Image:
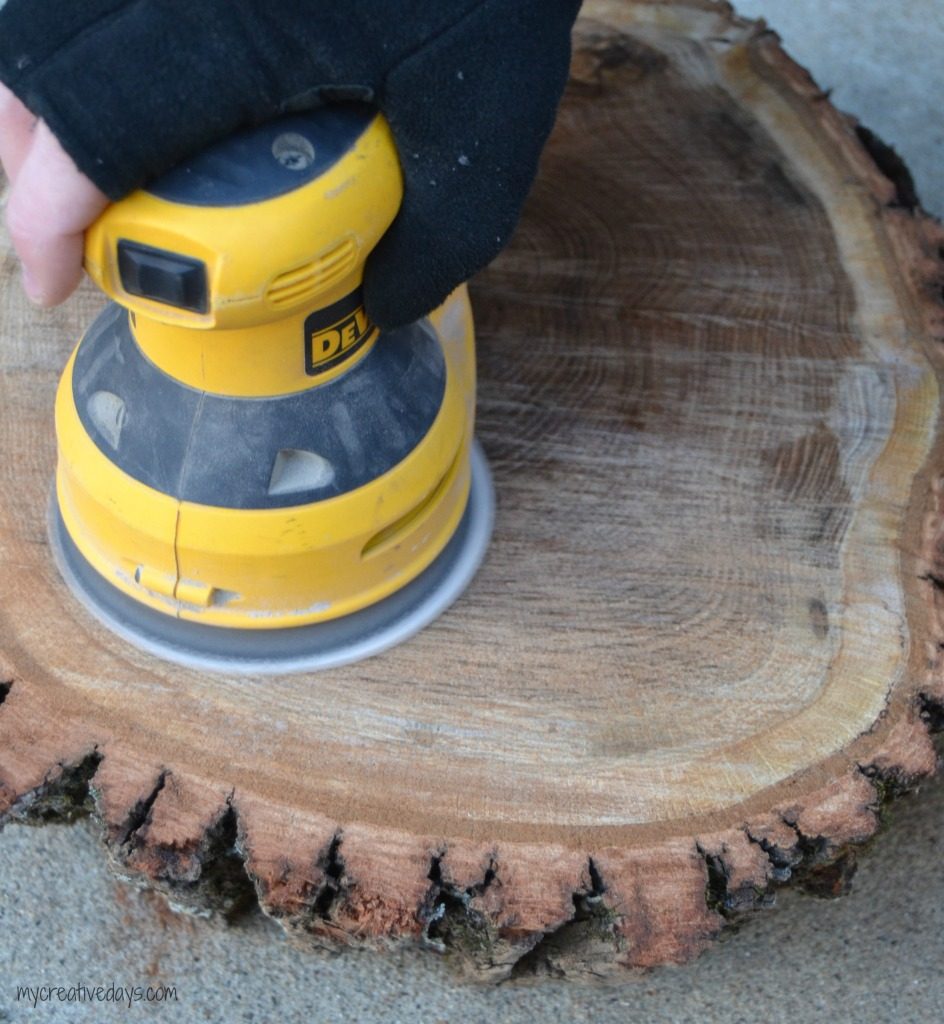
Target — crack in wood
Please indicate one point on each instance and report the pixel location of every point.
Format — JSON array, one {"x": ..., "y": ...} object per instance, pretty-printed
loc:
[
  {"x": 937, "y": 582},
  {"x": 783, "y": 861},
  {"x": 139, "y": 813},
  {"x": 825, "y": 869},
  {"x": 335, "y": 885},
  {"x": 223, "y": 884},
  {"x": 588, "y": 943},
  {"x": 730, "y": 901},
  {"x": 451, "y": 920}
]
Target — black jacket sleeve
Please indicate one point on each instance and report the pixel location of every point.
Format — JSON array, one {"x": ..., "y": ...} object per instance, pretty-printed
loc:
[{"x": 470, "y": 88}]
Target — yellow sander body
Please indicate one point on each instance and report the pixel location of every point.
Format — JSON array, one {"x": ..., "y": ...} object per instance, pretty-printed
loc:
[{"x": 244, "y": 459}]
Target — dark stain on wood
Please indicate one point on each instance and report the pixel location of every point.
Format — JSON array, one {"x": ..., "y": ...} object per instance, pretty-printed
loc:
[
  {"x": 755, "y": 159},
  {"x": 598, "y": 52},
  {"x": 807, "y": 472},
  {"x": 819, "y": 618}
]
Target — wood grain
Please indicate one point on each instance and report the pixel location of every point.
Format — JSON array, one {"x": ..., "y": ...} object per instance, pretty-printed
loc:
[{"x": 705, "y": 646}]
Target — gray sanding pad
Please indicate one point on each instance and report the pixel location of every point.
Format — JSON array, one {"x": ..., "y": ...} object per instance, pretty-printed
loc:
[{"x": 302, "y": 648}]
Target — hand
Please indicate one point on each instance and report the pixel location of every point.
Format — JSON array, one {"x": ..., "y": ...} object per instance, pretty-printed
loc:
[
  {"x": 469, "y": 88},
  {"x": 51, "y": 203}
]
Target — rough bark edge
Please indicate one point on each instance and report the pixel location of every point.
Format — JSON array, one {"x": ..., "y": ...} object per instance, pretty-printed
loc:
[
  {"x": 496, "y": 912},
  {"x": 519, "y": 910}
]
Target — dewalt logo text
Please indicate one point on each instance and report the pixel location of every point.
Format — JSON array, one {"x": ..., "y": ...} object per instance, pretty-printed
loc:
[{"x": 327, "y": 346}]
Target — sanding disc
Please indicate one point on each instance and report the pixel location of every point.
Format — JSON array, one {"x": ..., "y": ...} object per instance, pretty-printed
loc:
[{"x": 299, "y": 649}]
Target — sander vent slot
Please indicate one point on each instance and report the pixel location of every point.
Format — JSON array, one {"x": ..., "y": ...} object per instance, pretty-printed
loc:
[
  {"x": 392, "y": 534},
  {"x": 309, "y": 279},
  {"x": 107, "y": 411},
  {"x": 295, "y": 470}
]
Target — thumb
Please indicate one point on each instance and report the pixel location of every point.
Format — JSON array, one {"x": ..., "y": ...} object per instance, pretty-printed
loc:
[{"x": 50, "y": 206}]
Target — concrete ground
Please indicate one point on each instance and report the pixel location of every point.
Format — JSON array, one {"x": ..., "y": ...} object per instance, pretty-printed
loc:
[{"x": 872, "y": 957}]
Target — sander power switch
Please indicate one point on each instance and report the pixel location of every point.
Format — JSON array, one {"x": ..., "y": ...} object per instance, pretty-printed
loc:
[
  {"x": 162, "y": 276},
  {"x": 267, "y": 223}
]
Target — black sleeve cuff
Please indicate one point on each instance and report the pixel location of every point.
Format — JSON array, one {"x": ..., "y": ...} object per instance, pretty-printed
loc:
[{"x": 131, "y": 88}]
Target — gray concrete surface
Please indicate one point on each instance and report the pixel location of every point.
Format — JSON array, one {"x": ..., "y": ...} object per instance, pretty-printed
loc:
[
  {"x": 883, "y": 62},
  {"x": 870, "y": 958},
  {"x": 874, "y": 957}
]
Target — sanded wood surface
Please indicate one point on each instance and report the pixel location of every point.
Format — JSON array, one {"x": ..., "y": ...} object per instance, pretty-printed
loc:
[{"x": 705, "y": 645}]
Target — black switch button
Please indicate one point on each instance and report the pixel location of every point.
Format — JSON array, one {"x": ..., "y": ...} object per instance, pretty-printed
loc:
[{"x": 163, "y": 276}]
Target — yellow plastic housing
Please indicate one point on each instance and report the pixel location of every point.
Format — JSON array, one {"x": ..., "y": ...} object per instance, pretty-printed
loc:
[{"x": 276, "y": 567}]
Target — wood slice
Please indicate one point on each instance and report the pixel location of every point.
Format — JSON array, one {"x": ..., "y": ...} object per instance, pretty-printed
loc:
[{"x": 706, "y": 644}]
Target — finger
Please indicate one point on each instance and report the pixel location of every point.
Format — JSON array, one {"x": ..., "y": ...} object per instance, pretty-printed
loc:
[
  {"x": 16, "y": 132},
  {"x": 50, "y": 206}
]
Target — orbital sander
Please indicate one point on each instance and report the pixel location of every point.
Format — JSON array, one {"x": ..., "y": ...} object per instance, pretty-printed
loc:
[{"x": 251, "y": 476}]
